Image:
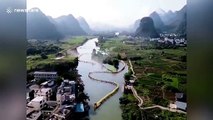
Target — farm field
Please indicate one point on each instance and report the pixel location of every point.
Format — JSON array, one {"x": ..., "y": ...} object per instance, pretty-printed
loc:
[{"x": 160, "y": 72}]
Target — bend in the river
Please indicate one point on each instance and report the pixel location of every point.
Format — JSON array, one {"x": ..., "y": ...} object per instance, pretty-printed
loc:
[{"x": 99, "y": 92}]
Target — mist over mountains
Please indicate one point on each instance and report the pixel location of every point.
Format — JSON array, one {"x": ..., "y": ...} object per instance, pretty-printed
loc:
[
  {"x": 157, "y": 21},
  {"x": 84, "y": 25},
  {"x": 170, "y": 22},
  {"x": 40, "y": 26},
  {"x": 68, "y": 25}
]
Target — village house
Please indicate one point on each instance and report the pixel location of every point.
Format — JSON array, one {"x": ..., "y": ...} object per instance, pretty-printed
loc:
[
  {"x": 37, "y": 103},
  {"x": 45, "y": 75},
  {"x": 44, "y": 92},
  {"x": 66, "y": 91}
]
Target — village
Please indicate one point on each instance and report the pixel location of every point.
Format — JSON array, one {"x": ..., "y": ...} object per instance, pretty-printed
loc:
[{"x": 48, "y": 100}]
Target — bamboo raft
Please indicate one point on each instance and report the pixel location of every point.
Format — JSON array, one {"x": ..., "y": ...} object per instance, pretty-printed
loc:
[{"x": 107, "y": 96}]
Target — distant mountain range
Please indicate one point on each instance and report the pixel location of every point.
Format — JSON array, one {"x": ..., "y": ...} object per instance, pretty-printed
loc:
[
  {"x": 167, "y": 21},
  {"x": 68, "y": 26},
  {"x": 40, "y": 26}
]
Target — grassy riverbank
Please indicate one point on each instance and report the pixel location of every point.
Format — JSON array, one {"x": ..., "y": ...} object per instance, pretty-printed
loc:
[
  {"x": 52, "y": 56},
  {"x": 50, "y": 49},
  {"x": 161, "y": 73},
  {"x": 74, "y": 42},
  {"x": 110, "y": 67}
]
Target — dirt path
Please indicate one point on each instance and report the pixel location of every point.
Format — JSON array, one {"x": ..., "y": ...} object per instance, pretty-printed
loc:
[{"x": 140, "y": 100}]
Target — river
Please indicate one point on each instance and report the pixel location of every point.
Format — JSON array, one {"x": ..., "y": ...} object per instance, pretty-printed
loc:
[{"x": 110, "y": 109}]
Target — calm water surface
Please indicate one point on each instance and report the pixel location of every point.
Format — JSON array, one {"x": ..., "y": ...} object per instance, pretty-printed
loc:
[{"x": 109, "y": 110}]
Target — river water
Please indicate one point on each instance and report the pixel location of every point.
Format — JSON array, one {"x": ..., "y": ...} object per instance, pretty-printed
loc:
[{"x": 110, "y": 109}]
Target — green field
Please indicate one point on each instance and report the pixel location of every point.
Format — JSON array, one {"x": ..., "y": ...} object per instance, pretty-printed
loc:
[
  {"x": 159, "y": 71},
  {"x": 171, "y": 80},
  {"x": 72, "y": 42},
  {"x": 110, "y": 67},
  {"x": 36, "y": 60}
]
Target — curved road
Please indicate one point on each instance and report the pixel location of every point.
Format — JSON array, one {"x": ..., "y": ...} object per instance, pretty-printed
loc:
[{"x": 140, "y": 100}]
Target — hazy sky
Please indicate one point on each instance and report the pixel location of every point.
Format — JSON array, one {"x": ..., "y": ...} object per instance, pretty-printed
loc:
[{"x": 113, "y": 12}]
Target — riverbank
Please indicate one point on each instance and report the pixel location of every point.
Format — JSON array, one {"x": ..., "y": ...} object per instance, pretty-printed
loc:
[
  {"x": 70, "y": 45},
  {"x": 40, "y": 53},
  {"x": 110, "y": 109},
  {"x": 160, "y": 74},
  {"x": 66, "y": 69}
]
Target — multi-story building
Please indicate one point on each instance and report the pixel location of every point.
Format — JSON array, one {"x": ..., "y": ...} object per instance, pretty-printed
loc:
[
  {"x": 66, "y": 91},
  {"x": 45, "y": 75},
  {"x": 37, "y": 103},
  {"x": 45, "y": 92}
]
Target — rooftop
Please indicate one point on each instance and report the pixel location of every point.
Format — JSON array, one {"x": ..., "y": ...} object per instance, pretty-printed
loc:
[
  {"x": 38, "y": 99},
  {"x": 45, "y": 89},
  {"x": 131, "y": 81},
  {"x": 34, "y": 87},
  {"x": 181, "y": 105},
  {"x": 38, "y": 72},
  {"x": 44, "y": 83},
  {"x": 69, "y": 81},
  {"x": 79, "y": 107}
]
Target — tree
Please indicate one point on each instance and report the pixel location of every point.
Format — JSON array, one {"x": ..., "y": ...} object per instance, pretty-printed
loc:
[
  {"x": 44, "y": 56},
  {"x": 81, "y": 97},
  {"x": 31, "y": 94},
  {"x": 30, "y": 77},
  {"x": 124, "y": 100},
  {"x": 59, "y": 80},
  {"x": 115, "y": 63},
  {"x": 146, "y": 92},
  {"x": 183, "y": 58},
  {"x": 38, "y": 82},
  {"x": 75, "y": 62},
  {"x": 93, "y": 51},
  {"x": 127, "y": 76},
  {"x": 119, "y": 56}
]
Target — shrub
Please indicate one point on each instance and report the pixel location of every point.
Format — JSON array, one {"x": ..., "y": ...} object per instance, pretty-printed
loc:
[{"x": 44, "y": 56}]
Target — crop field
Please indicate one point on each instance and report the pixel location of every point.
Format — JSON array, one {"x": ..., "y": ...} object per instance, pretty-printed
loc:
[{"x": 159, "y": 71}]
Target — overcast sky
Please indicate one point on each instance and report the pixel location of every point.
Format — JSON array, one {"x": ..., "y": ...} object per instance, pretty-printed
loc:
[{"x": 119, "y": 13}]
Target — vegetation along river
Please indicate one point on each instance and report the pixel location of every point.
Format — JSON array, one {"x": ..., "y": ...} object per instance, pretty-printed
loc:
[{"x": 110, "y": 109}]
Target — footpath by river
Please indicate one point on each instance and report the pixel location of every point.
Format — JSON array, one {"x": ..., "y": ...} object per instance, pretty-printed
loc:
[{"x": 110, "y": 109}]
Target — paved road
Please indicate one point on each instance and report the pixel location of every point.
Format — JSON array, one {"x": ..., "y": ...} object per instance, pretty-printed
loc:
[
  {"x": 164, "y": 108},
  {"x": 140, "y": 100},
  {"x": 137, "y": 97}
]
